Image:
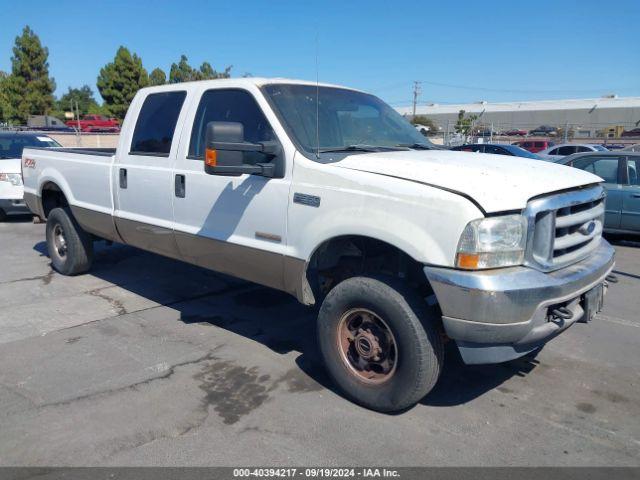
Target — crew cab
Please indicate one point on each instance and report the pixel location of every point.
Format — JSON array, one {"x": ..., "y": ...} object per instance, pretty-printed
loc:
[
  {"x": 95, "y": 123},
  {"x": 327, "y": 193}
]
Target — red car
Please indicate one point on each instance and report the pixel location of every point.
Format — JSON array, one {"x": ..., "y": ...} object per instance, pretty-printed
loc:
[
  {"x": 534, "y": 146},
  {"x": 515, "y": 133},
  {"x": 95, "y": 123}
]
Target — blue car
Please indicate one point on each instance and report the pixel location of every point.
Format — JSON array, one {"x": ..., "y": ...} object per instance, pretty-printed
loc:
[
  {"x": 620, "y": 171},
  {"x": 498, "y": 149}
]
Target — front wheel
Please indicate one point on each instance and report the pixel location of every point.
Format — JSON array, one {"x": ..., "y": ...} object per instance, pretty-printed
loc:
[
  {"x": 70, "y": 247},
  {"x": 380, "y": 342}
]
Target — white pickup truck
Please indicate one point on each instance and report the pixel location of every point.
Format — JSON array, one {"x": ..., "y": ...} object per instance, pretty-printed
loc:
[{"x": 330, "y": 195}]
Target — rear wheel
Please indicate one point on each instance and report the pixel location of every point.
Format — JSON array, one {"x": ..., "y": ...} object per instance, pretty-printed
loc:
[
  {"x": 70, "y": 247},
  {"x": 380, "y": 342},
  {"x": 3, "y": 215}
]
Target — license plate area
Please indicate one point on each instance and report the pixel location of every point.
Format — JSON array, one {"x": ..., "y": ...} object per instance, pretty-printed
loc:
[{"x": 592, "y": 302}]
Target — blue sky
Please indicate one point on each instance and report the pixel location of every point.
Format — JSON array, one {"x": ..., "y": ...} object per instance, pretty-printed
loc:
[{"x": 497, "y": 51}]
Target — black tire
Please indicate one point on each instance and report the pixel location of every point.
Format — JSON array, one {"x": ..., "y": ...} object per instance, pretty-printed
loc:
[
  {"x": 70, "y": 247},
  {"x": 414, "y": 326},
  {"x": 3, "y": 215}
]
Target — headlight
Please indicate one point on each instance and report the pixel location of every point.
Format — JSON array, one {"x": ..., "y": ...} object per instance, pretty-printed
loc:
[
  {"x": 12, "y": 178},
  {"x": 492, "y": 242}
]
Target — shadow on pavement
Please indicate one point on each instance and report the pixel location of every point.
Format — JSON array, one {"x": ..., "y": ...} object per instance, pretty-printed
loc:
[
  {"x": 460, "y": 383},
  {"x": 26, "y": 218},
  {"x": 272, "y": 318}
]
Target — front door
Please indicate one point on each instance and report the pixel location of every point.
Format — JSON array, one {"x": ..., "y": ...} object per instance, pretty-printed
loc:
[
  {"x": 142, "y": 178},
  {"x": 231, "y": 224}
]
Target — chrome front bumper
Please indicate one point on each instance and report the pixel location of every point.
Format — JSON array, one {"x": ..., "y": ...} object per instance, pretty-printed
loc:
[{"x": 497, "y": 315}]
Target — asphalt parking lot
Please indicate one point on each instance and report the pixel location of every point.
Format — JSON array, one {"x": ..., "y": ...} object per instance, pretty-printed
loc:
[{"x": 149, "y": 361}]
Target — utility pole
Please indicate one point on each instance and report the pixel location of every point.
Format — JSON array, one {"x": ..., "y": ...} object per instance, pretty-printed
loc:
[{"x": 416, "y": 91}]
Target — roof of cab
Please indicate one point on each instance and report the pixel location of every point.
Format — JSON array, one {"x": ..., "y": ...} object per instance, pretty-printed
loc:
[{"x": 240, "y": 82}]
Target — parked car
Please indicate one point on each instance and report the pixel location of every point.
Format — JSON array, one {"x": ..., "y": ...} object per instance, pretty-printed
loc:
[
  {"x": 534, "y": 146},
  {"x": 545, "y": 130},
  {"x": 483, "y": 132},
  {"x": 95, "y": 123},
  {"x": 11, "y": 190},
  {"x": 564, "y": 149},
  {"x": 423, "y": 129},
  {"x": 620, "y": 172},
  {"x": 631, "y": 133},
  {"x": 498, "y": 149},
  {"x": 514, "y": 133},
  {"x": 632, "y": 148},
  {"x": 277, "y": 182}
]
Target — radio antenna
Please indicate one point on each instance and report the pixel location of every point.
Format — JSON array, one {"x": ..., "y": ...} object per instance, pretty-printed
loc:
[{"x": 317, "y": 102}]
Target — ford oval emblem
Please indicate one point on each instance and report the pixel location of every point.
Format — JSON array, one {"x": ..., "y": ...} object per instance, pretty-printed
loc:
[{"x": 587, "y": 228}]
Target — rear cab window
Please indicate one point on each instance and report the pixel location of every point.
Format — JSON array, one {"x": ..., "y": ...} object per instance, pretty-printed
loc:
[{"x": 156, "y": 124}]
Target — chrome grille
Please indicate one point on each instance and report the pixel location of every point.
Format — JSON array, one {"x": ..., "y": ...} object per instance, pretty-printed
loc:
[{"x": 564, "y": 228}]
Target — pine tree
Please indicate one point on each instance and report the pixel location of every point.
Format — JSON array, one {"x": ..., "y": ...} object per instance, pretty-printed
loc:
[
  {"x": 82, "y": 95},
  {"x": 157, "y": 77},
  {"x": 119, "y": 81},
  {"x": 29, "y": 89},
  {"x": 4, "y": 108},
  {"x": 183, "y": 72}
]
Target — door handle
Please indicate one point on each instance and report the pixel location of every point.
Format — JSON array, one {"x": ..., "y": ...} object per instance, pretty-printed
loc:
[
  {"x": 636, "y": 195},
  {"x": 180, "y": 186},
  {"x": 123, "y": 178}
]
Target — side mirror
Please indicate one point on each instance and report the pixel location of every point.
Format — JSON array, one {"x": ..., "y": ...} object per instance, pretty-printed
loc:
[{"x": 225, "y": 147}]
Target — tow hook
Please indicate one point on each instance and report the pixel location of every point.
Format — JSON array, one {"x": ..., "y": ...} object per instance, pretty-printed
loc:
[{"x": 561, "y": 313}]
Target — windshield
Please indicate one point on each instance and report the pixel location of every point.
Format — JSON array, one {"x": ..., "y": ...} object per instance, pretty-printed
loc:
[
  {"x": 600, "y": 148},
  {"x": 345, "y": 119},
  {"x": 11, "y": 146}
]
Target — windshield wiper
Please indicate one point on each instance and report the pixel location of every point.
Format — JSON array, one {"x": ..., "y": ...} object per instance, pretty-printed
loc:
[
  {"x": 416, "y": 146},
  {"x": 358, "y": 148}
]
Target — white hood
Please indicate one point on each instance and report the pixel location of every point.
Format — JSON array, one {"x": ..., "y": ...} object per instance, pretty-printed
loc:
[
  {"x": 10, "y": 165},
  {"x": 496, "y": 182}
]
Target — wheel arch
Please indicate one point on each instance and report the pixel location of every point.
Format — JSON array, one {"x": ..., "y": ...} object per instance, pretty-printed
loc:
[
  {"x": 51, "y": 196},
  {"x": 342, "y": 256}
]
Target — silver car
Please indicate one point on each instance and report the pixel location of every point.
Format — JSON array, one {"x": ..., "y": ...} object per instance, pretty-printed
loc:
[{"x": 564, "y": 149}]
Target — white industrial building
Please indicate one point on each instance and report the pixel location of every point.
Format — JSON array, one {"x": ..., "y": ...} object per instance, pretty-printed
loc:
[{"x": 586, "y": 116}]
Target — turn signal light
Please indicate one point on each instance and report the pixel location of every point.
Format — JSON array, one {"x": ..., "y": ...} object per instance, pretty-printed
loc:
[
  {"x": 210, "y": 157},
  {"x": 468, "y": 260}
]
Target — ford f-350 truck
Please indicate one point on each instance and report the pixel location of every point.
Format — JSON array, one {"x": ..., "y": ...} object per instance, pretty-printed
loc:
[{"x": 330, "y": 195}]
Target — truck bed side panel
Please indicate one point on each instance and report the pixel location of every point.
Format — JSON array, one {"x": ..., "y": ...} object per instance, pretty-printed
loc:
[{"x": 83, "y": 176}]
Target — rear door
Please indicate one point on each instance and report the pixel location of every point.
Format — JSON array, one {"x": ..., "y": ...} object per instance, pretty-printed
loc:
[
  {"x": 608, "y": 168},
  {"x": 142, "y": 177},
  {"x": 630, "y": 215}
]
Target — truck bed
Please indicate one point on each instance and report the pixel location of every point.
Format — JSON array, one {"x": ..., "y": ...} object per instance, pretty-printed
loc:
[{"x": 82, "y": 174}]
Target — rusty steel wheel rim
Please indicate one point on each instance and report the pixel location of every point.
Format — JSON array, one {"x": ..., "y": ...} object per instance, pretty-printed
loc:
[{"x": 367, "y": 346}]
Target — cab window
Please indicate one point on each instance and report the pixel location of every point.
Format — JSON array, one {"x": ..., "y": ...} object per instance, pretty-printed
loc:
[
  {"x": 156, "y": 124},
  {"x": 230, "y": 105}
]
